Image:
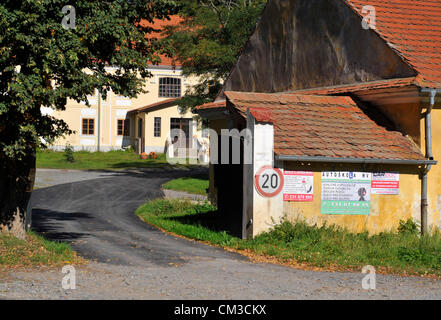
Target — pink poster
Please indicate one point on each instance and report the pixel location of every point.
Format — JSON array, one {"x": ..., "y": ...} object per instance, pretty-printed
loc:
[
  {"x": 386, "y": 183},
  {"x": 299, "y": 186}
]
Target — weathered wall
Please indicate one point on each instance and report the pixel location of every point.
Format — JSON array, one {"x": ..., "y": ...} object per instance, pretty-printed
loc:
[
  {"x": 434, "y": 183},
  {"x": 406, "y": 117},
  {"x": 262, "y": 212},
  {"x": 386, "y": 210},
  {"x": 312, "y": 43}
]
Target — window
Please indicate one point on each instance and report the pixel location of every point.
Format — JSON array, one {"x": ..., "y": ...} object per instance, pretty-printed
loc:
[
  {"x": 88, "y": 127},
  {"x": 157, "y": 127},
  {"x": 169, "y": 87},
  {"x": 123, "y": 127}
]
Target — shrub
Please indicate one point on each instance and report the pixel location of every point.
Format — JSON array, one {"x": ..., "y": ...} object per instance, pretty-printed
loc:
[
  {"x": 129, "y": 149},
  {"x": 69, "y": 153},
  {"x": 409, "y": 227}
]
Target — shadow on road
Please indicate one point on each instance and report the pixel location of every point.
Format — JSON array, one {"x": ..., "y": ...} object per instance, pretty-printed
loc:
[
  {"x": 49, "y": 224},
  {"x": 214, "y": 221}
]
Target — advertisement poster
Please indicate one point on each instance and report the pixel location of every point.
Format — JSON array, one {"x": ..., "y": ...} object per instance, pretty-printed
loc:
[
  {"x": 386, "y": 183},
  {"x": 299, "y": 186},
  {"x": 346, "y": 193}
]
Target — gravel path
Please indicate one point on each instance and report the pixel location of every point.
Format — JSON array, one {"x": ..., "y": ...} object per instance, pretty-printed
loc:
[{"x": 94, "y": 212}]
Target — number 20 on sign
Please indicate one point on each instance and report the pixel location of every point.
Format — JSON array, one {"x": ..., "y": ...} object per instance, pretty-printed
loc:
[{"x": 269, "y": 181}]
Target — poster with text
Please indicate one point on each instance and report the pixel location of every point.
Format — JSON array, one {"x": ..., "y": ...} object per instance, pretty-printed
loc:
[
  {"x": 346, "y": 193},
  {"x": 299, "y": 186},
  {"x": 386, "y": 183}
]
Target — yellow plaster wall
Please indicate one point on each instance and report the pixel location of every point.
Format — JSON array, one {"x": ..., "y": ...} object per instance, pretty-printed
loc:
[
  {"x": 406, "y": 117},
  {"x": 386, "y": 210},
  {"x": 434, "y": 183},
  {"x": 117, "y": 104},
  {"x": 165, "y": 114}
]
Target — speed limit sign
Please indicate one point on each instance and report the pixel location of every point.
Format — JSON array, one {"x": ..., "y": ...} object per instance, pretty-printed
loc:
[{"x": 269, "y": 181}]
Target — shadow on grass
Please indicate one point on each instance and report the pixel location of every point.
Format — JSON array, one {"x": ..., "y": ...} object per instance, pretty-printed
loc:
[
  {"x": 139, "y": 164},
  {"x": 214, "y": 221},
  {"x": 200, "y": 176}
]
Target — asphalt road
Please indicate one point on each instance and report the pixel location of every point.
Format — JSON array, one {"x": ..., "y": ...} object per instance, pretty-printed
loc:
[
  {"x": 95, "y": 212},
  {"x": 97, "y": 217}
]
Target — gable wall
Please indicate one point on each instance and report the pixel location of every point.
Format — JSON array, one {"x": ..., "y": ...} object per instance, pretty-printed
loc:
[{"x": 302, "y": 44}]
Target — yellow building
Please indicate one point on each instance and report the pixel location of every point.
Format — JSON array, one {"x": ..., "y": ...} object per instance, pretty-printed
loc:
[
  {"x": 119, "y": 122},
  {"x": 144, "y": 122},
  {"x": 343, "y": 114}
]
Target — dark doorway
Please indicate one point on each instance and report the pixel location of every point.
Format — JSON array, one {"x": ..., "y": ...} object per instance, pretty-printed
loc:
[
  {"x": 229, "y": 184},
  {"x": 141, "y": 135}
]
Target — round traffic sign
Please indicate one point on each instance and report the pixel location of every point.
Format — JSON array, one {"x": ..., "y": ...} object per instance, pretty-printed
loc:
[{"x": 269, "y": 181}]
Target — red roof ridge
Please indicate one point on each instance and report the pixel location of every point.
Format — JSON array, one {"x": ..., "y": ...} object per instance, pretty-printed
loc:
[
  {"x": 286, "y": 98},
  {"x": 212, "y": 105},
  {"x": 359, "y": 86}
]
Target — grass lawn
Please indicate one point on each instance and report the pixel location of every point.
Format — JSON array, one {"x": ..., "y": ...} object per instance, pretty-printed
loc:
[
  {"x": 35, "y": 251},
  {"x": 300, "y": 245},
  {"x": 197, "y": 184},
  {"x": 112, "y": 160}
]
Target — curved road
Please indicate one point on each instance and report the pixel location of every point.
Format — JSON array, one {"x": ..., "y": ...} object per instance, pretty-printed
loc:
[
  {"x": 97, "y": 217},
  {"x": 95, "y": 212}
]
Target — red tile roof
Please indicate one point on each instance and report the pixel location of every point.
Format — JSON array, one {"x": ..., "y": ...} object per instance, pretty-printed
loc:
[
  {"x": 262, "y": 114},
  {"x": 323, "y": 126},
  {"x": 212, "y": 106},
  {"x": 413, "y": 29},
  {"x": 157, "y": 105},
  {"x": 160, "y": 25},
  {"x": 360, "y": 87}
]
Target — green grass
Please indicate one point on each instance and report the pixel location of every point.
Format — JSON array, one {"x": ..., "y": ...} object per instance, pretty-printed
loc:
[
  {"x": 113, "y": 160},
  {"x": 328, "y": 247},
  {"x": 35, "y": 251},
  {"x": 196, "y": 184}
]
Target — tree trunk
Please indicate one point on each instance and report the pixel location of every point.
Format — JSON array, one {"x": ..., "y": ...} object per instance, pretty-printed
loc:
[{"x": 16, "y": 184}]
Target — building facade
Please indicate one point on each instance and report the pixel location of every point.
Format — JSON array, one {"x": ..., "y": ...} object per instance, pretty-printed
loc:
[
  {"x": 119, "y": 122},
  {"x": 111, "y": 124},
  {"x": 349, "y": 116}
]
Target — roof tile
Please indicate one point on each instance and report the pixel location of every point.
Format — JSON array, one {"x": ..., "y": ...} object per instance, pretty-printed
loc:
[
  {"x": 413, "y": 29},
  {"x": 315, "y": 126}
]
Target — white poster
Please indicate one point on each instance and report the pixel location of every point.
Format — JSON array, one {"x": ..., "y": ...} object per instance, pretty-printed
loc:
[
  {"x": 346, "y": 193},
  {"x": 386, "y": 183},
  {"x": 299, "y": 186}
]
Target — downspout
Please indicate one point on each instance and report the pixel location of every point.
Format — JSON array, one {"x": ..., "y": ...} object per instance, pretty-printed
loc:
[
  {"x": 99, "y": 122},
  {"x": 429, "y": 155}
]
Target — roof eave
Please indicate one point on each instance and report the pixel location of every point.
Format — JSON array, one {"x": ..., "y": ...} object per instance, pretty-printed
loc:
[
  {"x": 156, "y": 106},
  {"x": 355, "y": 160},
  {"x": 213, "y": 113}
]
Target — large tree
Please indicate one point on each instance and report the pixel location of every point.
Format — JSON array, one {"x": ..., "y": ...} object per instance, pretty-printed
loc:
[
  {"x": 209, "y": 40},
  {"x": 48, "y": 55}
]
